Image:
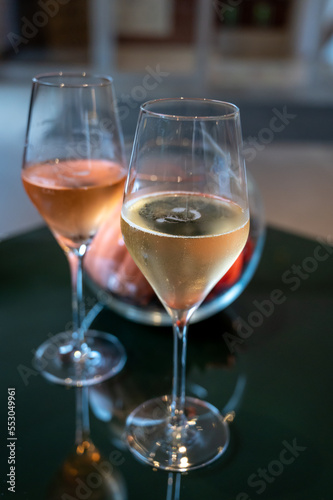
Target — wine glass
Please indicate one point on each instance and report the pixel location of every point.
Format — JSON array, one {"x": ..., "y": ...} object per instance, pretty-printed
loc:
[
  {"x": 185, "y": 220},
  {"x": 74, "y": 173}
]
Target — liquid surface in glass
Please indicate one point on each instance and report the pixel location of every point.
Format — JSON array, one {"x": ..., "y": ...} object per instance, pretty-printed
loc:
[{"x": 183, "y": 242}]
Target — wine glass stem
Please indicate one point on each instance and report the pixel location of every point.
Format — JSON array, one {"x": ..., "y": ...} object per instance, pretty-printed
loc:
[
  {"x": 82, "y": 426},
  {"x": 179, "y": 367},
  {"x": 78, "y": 310}
]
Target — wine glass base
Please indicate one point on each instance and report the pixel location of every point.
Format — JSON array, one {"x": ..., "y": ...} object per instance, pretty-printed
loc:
[
  {"x": 201, "y": 438},
  {"x": 60, "y": 362}
]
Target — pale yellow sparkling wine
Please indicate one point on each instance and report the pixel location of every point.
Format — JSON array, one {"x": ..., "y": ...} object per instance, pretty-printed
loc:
[{"x": 183, "y": 242}]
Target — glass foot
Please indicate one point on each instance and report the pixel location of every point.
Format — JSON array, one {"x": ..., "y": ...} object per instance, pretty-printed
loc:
[
  {"x": 60, "y": 362},
  {"x": 200, "y": 438}
]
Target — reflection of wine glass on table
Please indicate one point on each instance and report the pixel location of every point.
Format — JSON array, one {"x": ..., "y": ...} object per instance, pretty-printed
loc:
[
  {"x": 73, "y": 172},
  {"x": 86, "y": 473},
  {"x": 185, "y": 220},
  {"x": 88, "y": 476}
]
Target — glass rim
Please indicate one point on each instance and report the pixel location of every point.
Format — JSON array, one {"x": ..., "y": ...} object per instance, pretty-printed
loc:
[
  {"x": 46, "y": 79},
  {"x": 234, "y": 110}
]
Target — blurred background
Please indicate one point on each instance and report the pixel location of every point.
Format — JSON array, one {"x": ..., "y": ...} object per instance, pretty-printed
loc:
[{"x": 273, "y": 58}]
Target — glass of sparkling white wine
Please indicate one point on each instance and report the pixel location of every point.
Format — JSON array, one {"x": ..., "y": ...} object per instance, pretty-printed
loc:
[
  {"x": 74, "y": 173},
  {"x": 185, "y": 220}
]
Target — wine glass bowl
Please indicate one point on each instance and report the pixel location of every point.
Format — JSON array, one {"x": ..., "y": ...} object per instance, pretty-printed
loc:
[
  {"x": 74, "y": 173},
  {"x": 184, "y": 220}
]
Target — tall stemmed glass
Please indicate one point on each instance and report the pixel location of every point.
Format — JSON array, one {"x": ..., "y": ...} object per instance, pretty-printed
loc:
[
  {"x": 185, "y": 220},
  {"x": 73, "y": 172}
]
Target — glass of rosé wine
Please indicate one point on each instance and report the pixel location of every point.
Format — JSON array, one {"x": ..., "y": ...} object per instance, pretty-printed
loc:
[
  {"x": 185, "y": 221},
  {"x": 74, "y": 173}
]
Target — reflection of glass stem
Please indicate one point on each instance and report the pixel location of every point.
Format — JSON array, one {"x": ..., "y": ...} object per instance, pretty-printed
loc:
[
  {"x": 173, "y": 489},
  {"x": 82, "y": 428}
]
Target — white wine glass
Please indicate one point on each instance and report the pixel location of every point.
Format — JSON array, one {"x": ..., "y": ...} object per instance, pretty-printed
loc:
[
  {"x": 185, "y": 220},
  {"x": 74, "y": 173}
]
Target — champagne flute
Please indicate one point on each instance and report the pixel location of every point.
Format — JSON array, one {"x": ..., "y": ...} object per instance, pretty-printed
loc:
[
  {"x": 185, "y": 220},
  {"x": 74, "y": 173}
]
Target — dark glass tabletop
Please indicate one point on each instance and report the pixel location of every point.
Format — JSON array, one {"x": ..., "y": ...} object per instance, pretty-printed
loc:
[{"x": 266, "y": 361}]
